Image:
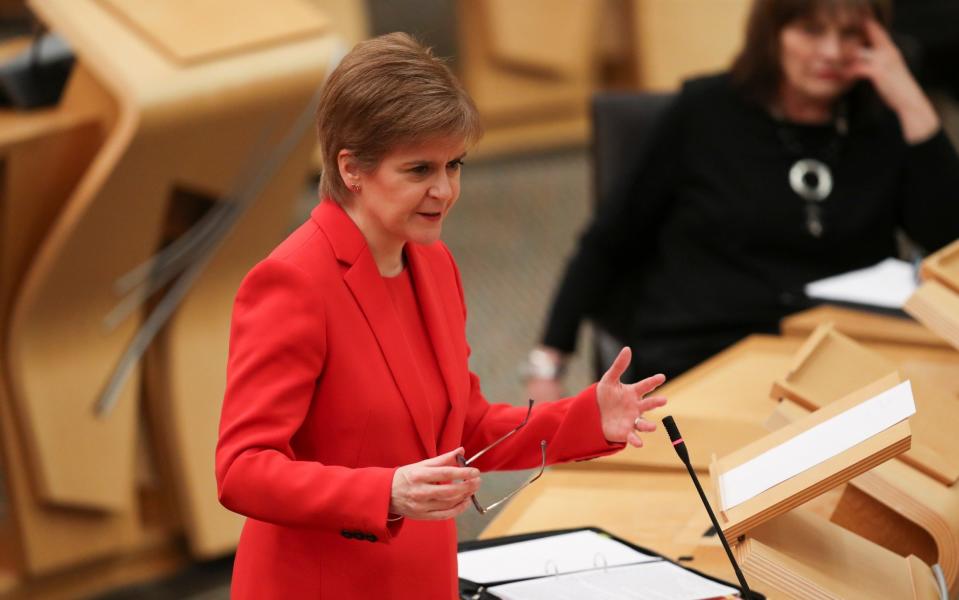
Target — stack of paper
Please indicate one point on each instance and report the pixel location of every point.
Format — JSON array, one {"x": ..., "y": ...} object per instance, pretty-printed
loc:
[
  {"x": 659, "y": 580},
  {"x": 582, "y": 564},
  {"x": 887, "y": 285},
  {"x": 565, "y": 553}
]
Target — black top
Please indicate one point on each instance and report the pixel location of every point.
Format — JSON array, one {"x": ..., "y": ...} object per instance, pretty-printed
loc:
[{"x": 711, "y": 243}]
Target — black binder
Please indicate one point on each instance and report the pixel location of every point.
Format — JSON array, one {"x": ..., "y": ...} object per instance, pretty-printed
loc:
[{"x": 477, "y": 590}]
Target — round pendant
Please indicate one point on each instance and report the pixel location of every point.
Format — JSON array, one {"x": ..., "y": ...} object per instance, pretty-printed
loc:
[{"x": 811, "y": 179}]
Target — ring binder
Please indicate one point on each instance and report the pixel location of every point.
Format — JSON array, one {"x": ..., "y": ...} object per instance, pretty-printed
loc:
[{"x": 485, "y": 590}]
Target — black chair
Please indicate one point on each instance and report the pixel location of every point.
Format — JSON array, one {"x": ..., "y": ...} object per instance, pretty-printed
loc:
[{"x": 623, "y": 126}]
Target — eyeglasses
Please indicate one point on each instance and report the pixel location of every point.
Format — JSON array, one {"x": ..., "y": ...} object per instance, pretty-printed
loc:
[{"x": 464, "y": 462}]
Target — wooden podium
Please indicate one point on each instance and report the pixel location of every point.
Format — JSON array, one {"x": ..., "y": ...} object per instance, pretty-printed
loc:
[
  {"x": 170, "y": 114},
  {"x": 916, "y": 495},
  {"x": 802, "y": 555},
  {"x": 830, "y": 365}
]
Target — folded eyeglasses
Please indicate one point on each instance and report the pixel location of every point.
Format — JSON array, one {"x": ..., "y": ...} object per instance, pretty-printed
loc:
[{"x": 465, "y": 462}]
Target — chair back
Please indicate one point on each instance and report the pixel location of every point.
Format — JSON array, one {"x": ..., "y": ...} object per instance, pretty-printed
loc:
[{"x": 623, "y": 123}]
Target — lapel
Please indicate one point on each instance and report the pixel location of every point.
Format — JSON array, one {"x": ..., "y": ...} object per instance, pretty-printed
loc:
[
  {"x": 369, "y": 290},
  {"x": 438, "y": 325}
]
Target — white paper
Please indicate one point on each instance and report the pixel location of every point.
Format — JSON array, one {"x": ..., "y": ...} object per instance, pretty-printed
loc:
[
  {"x": 565, "y": 553},
  {"x": 887, "y": 284},
  {"x": 660, "y": 580},
  {"x": 816, "y": 445}
]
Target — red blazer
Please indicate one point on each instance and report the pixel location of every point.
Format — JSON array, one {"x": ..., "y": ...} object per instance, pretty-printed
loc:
[{"x": 323, "y": 404}]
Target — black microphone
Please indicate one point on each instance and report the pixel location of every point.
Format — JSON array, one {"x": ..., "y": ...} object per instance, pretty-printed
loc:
[{"x": 680, "y": 447}]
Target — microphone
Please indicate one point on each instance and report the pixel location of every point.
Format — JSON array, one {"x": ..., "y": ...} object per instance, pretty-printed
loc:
[{"x": 680, "y": 447}]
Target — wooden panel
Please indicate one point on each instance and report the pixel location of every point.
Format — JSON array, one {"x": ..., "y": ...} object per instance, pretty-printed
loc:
[
  {"x": 861, "y": 325},
  {"x": 40, "y": 538},
  {"x": 816, "y": 480},
  {"x": 802, "y": 556},
  {"x": 924, "y": 501},
  {"x": 677, "y": 39},
  {"x": 943, "y": 266},
  {"x": 555, "y": 36},
  {"x": 185, "y": 397},
  {"x": 919, "y": 501},
  {"x": 830, "y": 365},
  {"x": 510, "y": 96},
  {"x": 349, "y": 19},
  {"x": 191, "y": 32},
  {"x": 859, "y": 513},
  {"x": 52, "y": 538},
  {"x": 936, "y": 306},
  {"x": 161, "y": 137},
  {"x": 719, "y": 406}
]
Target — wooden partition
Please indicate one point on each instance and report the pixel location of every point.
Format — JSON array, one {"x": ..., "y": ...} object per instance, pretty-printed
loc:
[
  {"x": 801, "y": 555},
  {"x": 172, "y": 114},
  {"x": 936, "y": 303},
  {"x": 532, "y": 66}
]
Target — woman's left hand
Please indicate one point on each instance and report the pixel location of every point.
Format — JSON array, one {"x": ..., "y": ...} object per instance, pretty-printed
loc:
[
  {"x": 621, "y": 405},
  {"x": 881, "y": 62}
]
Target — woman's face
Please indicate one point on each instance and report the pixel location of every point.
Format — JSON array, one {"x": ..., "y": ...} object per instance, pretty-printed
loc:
[
  {"x": 816, "y": 52},
  {"x": 406, "y": 198}
]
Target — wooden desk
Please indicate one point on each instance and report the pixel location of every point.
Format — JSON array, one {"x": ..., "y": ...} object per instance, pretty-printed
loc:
[
  {"x": 862, "y": 326},
  {"x": 720, "y": 406},
  {"x": 723, "y": 403}
]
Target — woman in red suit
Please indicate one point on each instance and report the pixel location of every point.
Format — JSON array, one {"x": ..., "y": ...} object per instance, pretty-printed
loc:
[{"x": 349, "y": 397}]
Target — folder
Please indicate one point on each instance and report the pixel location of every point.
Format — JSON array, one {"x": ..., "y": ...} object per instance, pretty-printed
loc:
[{"x": 596, "y": 567}]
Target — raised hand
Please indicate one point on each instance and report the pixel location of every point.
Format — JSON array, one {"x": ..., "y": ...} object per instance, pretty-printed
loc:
[
  {"x": 433, "y": 489},
  {"x": 881, "y": 63},
  {"x": 621, "y": 406}
]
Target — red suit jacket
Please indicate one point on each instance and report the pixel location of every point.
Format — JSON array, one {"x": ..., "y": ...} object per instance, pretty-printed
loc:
[{"x": 323, "y": 404}]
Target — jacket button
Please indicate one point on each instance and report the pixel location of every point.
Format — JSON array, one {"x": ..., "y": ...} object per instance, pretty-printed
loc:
[
  {"x": 346, "y": 534},
  {"x": 371, "y": 538}
]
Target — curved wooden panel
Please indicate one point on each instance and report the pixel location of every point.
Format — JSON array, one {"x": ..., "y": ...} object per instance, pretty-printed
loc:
[{"x": 174, "y": 125}]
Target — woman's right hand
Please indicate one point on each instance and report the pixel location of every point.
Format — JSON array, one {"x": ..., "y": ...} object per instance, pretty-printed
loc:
[
  {"x": 433, "y": 489},
  {"x": 882, "y": 63}
]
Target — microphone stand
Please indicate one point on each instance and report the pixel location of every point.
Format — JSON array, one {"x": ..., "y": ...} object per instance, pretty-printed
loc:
[{"x": 680, "y": 447}]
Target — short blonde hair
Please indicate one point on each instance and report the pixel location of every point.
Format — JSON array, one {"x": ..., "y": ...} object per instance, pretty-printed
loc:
[{"x": 388, "y": 91}]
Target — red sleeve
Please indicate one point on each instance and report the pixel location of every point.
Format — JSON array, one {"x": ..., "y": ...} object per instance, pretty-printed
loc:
[
  {"x": 277, "y": 352},
  {"x": 571, "y": 427}
]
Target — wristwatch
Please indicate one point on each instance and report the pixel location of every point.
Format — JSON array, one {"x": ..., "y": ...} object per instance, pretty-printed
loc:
[{"x": 541, "y": 364}]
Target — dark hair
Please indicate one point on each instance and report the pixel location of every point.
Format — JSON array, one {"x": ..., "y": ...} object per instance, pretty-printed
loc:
[
  {"x": 757, "y": 70},
  {"x": 388, "y": 91}
]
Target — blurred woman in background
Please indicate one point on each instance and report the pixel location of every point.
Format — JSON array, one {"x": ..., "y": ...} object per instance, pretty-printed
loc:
[{"x": 801, "y": 162}]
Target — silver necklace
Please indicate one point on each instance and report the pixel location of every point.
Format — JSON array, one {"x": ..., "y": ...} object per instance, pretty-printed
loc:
[{"x": 811, "y": 178}]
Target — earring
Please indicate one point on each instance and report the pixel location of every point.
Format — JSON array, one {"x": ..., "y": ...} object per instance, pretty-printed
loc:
[{"x": 356, "y": 188}]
